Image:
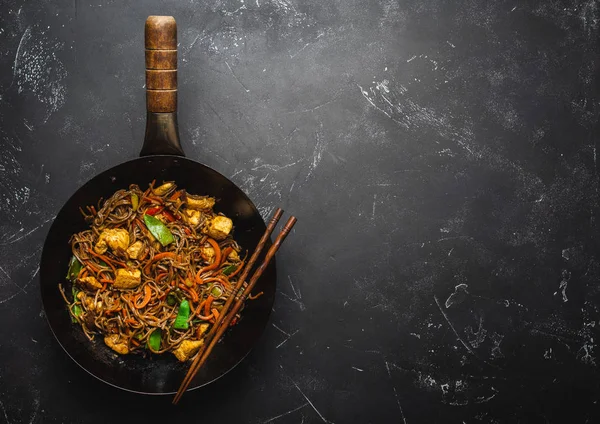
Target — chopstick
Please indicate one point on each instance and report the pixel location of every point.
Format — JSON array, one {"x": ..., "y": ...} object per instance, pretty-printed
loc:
[{"x": 225, "y": 318}]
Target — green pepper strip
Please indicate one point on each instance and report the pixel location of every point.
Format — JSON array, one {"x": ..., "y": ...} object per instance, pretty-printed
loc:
[
  {"x": 159, "y": 230},
  {"x": 181, "y": 322}
]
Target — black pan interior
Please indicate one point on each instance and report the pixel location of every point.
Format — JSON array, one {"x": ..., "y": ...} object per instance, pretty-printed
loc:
[{"x": 155, "y": 374}]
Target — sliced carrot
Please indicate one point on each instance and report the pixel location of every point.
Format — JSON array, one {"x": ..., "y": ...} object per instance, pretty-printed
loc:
[
  {"x": 164, "y": 255},
  {"x": 146, "y": 299},
  {"x": 209, "y": 300},
  {"x": 104, "y": 258},
  {"x": 189, "y": 291},
  {"x": 175, "y": 195}
]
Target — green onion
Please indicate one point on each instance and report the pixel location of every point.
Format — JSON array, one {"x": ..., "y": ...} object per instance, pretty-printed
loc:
[
  {"x": 229, "y": 269},
  {"x": 159, "y": 230},
  {"x": 77, "y": 311},
  {"x": 74, "y": 268},
  {"x": 154, "y": 340},
  {"x": 135, "y": 201},
  {"x": 216, "y": 292},
  {"x": 181, "y": 322}
]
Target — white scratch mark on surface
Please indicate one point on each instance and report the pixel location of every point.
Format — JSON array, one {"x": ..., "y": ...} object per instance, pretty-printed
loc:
[
  {"x": 387, "y": 367},
  {"x": 4, "y": 412},
  {"x": 286, "y": 413},
  {"x": 275, "y": 167},
  {"x": 12, "y": 240},
  {"x": 284, "y": 332},
  {"x": 411, "y": 59},
  {"x": 236, "y": 78},
  {"x": 296, "y": 301},
  {"x": 357, "y": 369},
  {"x": 450, "y": 44},
  {"x": 36, "y": 404},
  {"x": 460, "y": 339},
  {"x": 310, "y": 403},
  {"x": 11, "y": 280},
  {"x": 288, "y": 337},
  {"x": 399, "y": 405},
  {"x": 296, "y": 292},
  {"x": 562, "y": 287},
  {"x": 317, "y": 152},
  {"x": 26, "y": 34},
  {"x": 374, "y": 205}
]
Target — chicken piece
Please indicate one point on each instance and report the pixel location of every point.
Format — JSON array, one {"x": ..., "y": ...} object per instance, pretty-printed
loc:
[
  {"x": 91, "y": 283},
  {"x": 187, "y": 348},
  {"x": 117, "y": 238},
  {"x": 208, "y": 254},
  {"x": 219, "y": 227},
  {"x": 117, "y": 344},
  {"x": 199, "y": 202},
  {"x": 233, "y": 256},
  {"x": 163, "y": 189},
  {"x": 135, "y": 249},
  {"x": 202, "y": 329},
  {"x": 128, "y": 278},
  {"x": 192, "y": 217}
]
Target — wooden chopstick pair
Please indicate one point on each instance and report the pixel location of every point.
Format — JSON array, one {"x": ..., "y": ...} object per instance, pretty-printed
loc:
[{"x": 225, "y": 317}]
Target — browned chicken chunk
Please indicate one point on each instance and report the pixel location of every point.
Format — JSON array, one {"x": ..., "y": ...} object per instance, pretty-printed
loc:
[
  {"x": 128, "y": 278},
  {"x": 117, "y": 238},
  {"x": 219, "y": 227},
  {"x": 117, "y": 344},
  {"x": 187, "y": 348},
  {"x": 199, "y": 202},
  {"x": 135, "y": 249},
  {"x": 192, "y": 216},
  {"x": 90, "y": 283}
]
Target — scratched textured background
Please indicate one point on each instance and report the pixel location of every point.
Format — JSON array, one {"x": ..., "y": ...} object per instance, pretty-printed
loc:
[{"x": 441, "y": 159}]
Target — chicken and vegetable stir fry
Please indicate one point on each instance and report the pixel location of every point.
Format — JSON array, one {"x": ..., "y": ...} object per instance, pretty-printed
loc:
[{"x": 153, "y": 271}]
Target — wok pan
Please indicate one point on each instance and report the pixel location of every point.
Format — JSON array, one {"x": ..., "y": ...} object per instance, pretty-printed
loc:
[{"x": 162, "y": 159}]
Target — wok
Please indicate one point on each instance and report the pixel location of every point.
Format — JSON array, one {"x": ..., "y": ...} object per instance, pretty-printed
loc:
[{"x": 162, "y": 159}]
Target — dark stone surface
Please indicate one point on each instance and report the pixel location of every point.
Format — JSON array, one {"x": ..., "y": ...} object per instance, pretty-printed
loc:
[{"x": 440, "y": 157}]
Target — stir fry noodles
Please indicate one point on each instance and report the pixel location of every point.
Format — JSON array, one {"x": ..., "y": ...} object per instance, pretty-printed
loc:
[{"x": 153, "y": 271}]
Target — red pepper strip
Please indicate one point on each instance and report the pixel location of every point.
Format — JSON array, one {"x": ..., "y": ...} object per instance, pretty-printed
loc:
[
  {"x": 175, "y": 195},
  {"x": 170, "y": 217},
  {"x": 152, "y": 200},
  {"x": 154, "y": 211}
]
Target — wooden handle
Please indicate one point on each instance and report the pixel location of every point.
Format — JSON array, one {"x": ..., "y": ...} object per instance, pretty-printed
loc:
[{"x": 161, "y": 64}]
